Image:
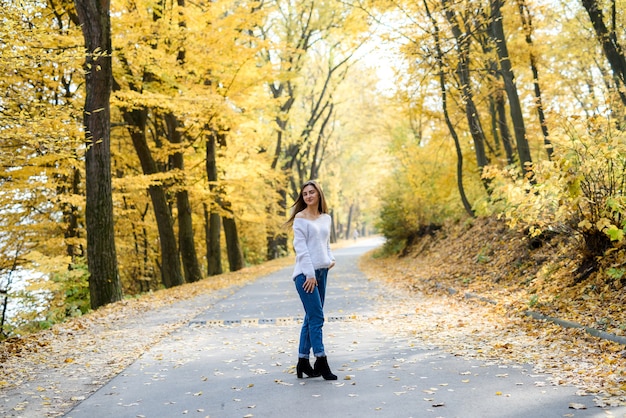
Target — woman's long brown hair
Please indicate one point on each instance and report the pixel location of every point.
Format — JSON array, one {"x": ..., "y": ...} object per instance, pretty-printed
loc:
[{"x": 300, "y": 204}]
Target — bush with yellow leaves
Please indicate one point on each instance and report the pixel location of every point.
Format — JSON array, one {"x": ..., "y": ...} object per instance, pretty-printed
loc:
[{"x": 581, "y": 191}]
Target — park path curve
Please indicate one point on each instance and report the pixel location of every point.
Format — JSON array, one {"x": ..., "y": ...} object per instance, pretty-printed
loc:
[{"x": 236, "y": 359}]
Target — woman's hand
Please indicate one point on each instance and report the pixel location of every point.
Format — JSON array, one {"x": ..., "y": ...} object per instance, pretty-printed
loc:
[
  {"x": 309, "y": 284},
  {"x": 332, "y": 264}
]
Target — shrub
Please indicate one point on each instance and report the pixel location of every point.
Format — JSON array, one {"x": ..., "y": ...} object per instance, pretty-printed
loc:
[
  {"x": 595, "y": 169},
  {"x": 411, "y": 209},
  {"x": 581, "y": 191},
  {"x": 43, "y": 300}
]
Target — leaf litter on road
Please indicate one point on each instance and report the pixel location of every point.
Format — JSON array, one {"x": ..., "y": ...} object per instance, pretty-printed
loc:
[{"x": 426, "y": 292}]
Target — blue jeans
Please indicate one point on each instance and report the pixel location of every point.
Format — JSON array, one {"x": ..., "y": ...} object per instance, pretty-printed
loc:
[{"x": 311, "y": 333}]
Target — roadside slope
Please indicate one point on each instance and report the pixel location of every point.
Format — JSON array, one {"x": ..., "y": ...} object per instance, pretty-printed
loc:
[{"x": 507, "y": 275}]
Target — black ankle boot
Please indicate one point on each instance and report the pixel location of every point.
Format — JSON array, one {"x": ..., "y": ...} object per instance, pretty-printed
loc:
[
  {"x": 305, "y": 367},
  {"x": 322, "y": 367}
]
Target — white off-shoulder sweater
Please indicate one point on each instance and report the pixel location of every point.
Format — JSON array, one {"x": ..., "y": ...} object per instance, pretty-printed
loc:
[{"x": 311, "y": 241}]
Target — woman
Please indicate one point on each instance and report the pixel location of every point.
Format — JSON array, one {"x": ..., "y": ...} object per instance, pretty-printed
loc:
[{"x": 311, "y": 229}]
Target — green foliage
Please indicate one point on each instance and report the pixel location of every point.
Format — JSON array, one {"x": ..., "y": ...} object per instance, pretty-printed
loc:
[
  {"x": 420, "y": 193},
  {"x": 71, "y": 296},
  {"x": 483, "y": 255},
  {"x": 596, "y": 168},
  {"x": 407, "y": 211},
  {"x": 45, "y": 302},
  {"x": 399, "y": 216},
  {"x": 390, "y": 247},
  {"x": 615, "y": 273}
]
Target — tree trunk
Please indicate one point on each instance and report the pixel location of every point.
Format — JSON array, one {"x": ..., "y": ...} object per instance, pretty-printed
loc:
[
  {"x": 528, "y": 28},
  {"x": 212, "y": 230},
  {"x": 320, "y": 146},
  {"x": 495, "y": 132},
  {"x": 214, "y": 250},
  {"x": 141, "y": 272},
  {"x": 277, "y": 240},
  {"x": 71, "y": 217},
  {"x": 515, "y": 108},
  {"x": 349, "y": 223},
  {"x": 497, "y": 109},
  {"x": 186, "y": 240},
  {"x": 444, "y": 102},
  {"x": 233, "y": 247},
  {"x": 171, "y": 274},
  {"x": 503, "y": 127},
  {"x": 613, "y": 51},
  {"x": 104, "y": 282},
  {"x": 463, "y": 71},
  {"x": 189, "y": 257}
]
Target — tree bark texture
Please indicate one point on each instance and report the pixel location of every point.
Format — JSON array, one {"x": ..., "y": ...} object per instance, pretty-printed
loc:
[
  {"x": 171, "y": 274},
  {"x": 612, "y": 49},
  {"x": 213, "y": 220},
  {"x": 503, "y": 127},
  {"x": 463, "y": 71},
  {"x": 528, "y": 29},
  {"x": 71, "y": 217},
  {"x": 444, "y": 103},
  {"x": 186, "y": 241},
  {"x": 104, "y": 282},
  {"x": 189, "y": 256},
  {"x": 515, "y": 108},
  {"x": 214, "y": 249},
  {"x": 233, "y": 247}
]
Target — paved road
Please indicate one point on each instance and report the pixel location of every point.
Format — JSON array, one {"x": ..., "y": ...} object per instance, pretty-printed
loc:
[{"x": 236, "y": 360}]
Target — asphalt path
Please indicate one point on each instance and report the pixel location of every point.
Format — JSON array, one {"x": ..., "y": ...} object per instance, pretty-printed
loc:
[{"x": 237, "y": 359}]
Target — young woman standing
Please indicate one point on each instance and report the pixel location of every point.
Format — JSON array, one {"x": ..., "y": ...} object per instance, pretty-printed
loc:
[{"x": 311, "y": 229}]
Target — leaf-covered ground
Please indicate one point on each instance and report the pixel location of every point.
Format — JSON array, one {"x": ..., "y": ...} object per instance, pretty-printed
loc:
[
  {"x": 473, "y": 284},
  {"x": 46, "y": 373}
]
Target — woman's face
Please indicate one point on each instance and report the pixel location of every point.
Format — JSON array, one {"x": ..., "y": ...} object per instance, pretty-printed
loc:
[{"x": 310, "y": 195}]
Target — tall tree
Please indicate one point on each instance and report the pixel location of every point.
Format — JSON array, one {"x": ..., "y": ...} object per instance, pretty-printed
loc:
[
  {"x": 303, "y": 34},
  {"x": 515, "y": 107},
  {"x": 223, "y": 209},
  {"x": 460, "y": 25},
  {"x": 189, "y": 256},
  {"x": 295, "y": 32},
  {"x": 495, "y": 96},
  {"x": 142, "y": 117},
  {"x": 212, "y": 216},
  {"x": 613, "y": 50},
  {"x": 306, "y": 154},
  {"x": 444, "y": 103},
  {"x": 527, "y": 24},
  {"x": 233, "y": 245},
  {"x": 104, "y": 281},
  {"x": 171, "y": 273}
]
